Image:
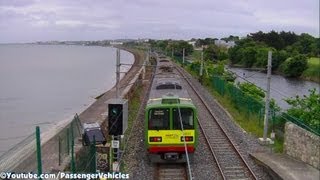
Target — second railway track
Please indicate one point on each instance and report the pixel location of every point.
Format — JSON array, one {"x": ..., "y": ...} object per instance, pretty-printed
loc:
[{"x": 230, "y": 162}]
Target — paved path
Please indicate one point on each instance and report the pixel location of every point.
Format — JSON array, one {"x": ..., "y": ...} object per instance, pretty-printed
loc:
[{"x": 284, "y": 167}]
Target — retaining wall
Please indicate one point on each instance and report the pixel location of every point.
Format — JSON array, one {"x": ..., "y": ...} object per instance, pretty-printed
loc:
[{"x": 302, "y": 144}]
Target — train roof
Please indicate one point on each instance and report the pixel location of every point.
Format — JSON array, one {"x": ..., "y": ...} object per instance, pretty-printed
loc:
[
  {"x": 170, "y": 98},
  {"x": 166, "y": 86}
]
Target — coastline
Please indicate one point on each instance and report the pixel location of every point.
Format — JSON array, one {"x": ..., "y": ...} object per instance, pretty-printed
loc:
[
  {"x": 96, "y": 111},
  {"x": 24, "y": 159}
]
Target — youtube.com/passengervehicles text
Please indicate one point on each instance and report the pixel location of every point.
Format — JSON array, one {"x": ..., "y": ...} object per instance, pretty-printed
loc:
[{"x": 64, "y": 175}]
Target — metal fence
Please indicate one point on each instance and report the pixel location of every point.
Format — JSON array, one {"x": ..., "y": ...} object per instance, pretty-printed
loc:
[{"x": 53, "y": 150}]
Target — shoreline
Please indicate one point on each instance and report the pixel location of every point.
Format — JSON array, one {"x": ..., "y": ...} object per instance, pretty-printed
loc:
[{"x": 51, "y": 139}]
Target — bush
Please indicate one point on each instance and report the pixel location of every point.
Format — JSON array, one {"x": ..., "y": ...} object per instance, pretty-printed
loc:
[
  {"x": 252, "y": 90},
  {"x": 295, "y": 66},
  {"x": 306, "y": 108}
]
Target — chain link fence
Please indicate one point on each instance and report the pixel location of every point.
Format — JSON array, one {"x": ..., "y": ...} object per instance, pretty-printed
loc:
[{"x": 57, "y": 151}]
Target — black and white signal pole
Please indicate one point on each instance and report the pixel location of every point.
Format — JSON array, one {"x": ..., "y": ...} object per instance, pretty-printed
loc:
[{"x": 118, "y": 73}]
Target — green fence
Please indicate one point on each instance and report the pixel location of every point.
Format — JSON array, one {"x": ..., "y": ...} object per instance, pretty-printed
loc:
[
  {"x": 51, "y": 149},
  {"x": 85, "y": 159},
  {"x": 241, "y": 101}
]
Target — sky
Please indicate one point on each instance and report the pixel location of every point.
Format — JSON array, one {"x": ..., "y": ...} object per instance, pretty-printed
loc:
[{"x": 46, "y": 20}]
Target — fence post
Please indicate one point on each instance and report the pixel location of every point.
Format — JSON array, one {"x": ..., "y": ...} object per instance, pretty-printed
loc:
[
  {"x": 68, "y": 141},
  {"x": 38, "y": 144},
  {"x": 59, "y": 139},
  {"x": 94, "y": 155},
  {"x": 72, "y": 151}
]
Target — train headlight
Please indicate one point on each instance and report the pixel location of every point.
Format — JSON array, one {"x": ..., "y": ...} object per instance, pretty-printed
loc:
[
  {"x": 155, "y": 139},
  {"x": 187, "y": 138}
]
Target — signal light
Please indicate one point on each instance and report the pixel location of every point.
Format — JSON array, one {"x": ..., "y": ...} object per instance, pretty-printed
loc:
[
  {"x": 187, "y": 138},
  {"x": 155, "y": 139}
]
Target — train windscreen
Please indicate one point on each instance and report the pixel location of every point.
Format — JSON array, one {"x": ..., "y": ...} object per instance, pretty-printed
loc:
[
  {"x": 186, "y": 115},
  {"x": 159, "y": 118}
]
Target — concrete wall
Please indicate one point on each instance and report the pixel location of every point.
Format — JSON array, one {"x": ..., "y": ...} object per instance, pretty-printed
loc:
[{"x": 302, "y": 145}]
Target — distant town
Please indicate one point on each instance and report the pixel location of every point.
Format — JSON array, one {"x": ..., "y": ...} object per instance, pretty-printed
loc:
[{"x": 218, "y": 42}]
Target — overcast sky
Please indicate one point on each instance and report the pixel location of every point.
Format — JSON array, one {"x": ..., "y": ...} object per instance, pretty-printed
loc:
[{"x": 42, "y": 20}]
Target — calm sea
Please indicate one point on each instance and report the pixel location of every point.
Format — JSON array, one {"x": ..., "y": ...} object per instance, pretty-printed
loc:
[{"x": 44, "y": 84}]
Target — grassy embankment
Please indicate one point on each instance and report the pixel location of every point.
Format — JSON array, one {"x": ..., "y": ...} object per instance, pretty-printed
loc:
[
  {"x": 313, "y": 71},
  {"x": 249, "y": 123}
]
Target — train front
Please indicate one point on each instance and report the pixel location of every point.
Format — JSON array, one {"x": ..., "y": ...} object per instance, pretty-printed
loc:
[{"x": 171, "y": 130}]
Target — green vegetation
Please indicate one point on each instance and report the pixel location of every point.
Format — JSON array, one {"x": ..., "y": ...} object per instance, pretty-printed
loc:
[
  {"x": 292, "y": 55},
  {"x": 290, "y": 52},
  {"x": 169, "y": 46},
  {"x": 294, "y": 67},
  {"x": 250, "y": 124},
  {"x": 252, "y": 90},
  {"x": 134, "y": 105},
  {"x": 196, "y": 54},
  {"x": 313, "y": 71},
  {"x": 306, "y": 108},
  {"x": 215, "y": 53}
]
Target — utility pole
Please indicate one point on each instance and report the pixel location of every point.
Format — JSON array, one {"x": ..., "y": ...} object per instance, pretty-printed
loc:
[
  {"x": 118, "y": 73},
  {"x": 172, "y": 53},
  {"x": 265, "y": 139},
  {"x": 183, "y": 51},
  {"x": 144, "y": 65},
  {"x": 201, "y": 67}
]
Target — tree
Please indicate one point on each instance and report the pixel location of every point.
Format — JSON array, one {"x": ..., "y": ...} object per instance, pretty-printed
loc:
[
  {"x": 295, "y": 66},
  {"x": 249, "y": 56},
  {"x": 262, "y": 57},
  {"x": 178, "y": 46},
  {"x": 278, "y": 57},
  {"x": 210, "y": 53},
  {"x": 231, "y": 38}
]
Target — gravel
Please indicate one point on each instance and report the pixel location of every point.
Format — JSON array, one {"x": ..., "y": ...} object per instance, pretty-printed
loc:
[{"x": 135, "y": 156}]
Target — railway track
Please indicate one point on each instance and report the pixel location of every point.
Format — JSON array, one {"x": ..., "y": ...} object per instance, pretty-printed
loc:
[
  {"x": 230, "y": 162},
  {"x": 171, "y": 171}
]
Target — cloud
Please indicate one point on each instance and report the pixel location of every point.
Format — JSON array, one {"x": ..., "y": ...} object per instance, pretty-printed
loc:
[{"x": 101, "y": 19}]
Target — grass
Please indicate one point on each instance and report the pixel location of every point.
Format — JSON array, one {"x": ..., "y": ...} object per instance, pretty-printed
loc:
[
  {"x": 134, "y": 104},
  {"x": 313, "y": 71},
  {"x": 196, "y": 55},
  {"x": 248, "y": 122}
]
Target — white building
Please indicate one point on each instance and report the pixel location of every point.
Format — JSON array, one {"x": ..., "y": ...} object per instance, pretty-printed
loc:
[
  {"x": 193, "y": 43},
  {"x": 224, "y": 43},
  {"x": 115, "y": 43}
]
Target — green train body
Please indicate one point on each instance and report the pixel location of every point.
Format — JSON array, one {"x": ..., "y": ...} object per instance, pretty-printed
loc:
[{"x": 168, "y": 106}]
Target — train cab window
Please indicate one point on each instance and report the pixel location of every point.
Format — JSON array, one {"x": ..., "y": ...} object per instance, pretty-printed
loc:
[
  {"x": 169, "y": 86},
  {"x": 186, "y": 115},
  {"x": 159, "y": 119}
]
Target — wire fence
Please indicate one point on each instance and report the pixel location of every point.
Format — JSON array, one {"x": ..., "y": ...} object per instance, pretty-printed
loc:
[{"x": 57, "y": 151}]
